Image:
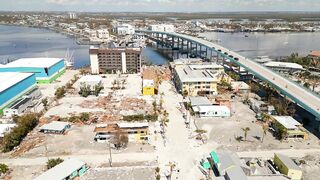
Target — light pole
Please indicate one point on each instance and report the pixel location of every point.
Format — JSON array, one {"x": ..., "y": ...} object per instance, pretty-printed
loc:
[{"x": 110, "y": 156}]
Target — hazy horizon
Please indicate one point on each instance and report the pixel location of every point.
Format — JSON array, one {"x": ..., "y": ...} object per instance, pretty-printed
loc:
[{"x": 185, "y": 6}]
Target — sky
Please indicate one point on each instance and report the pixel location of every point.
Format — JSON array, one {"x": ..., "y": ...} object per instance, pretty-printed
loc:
[{"x": 160, "y": 5}]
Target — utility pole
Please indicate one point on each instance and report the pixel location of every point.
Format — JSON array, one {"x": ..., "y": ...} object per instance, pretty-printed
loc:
[{"x": 110, "y": 157}]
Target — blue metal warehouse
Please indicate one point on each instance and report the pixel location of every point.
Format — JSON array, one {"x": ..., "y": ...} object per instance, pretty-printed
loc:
[
  {"x": 13, "y": 85},
  {"x": 46, "y": 69}
]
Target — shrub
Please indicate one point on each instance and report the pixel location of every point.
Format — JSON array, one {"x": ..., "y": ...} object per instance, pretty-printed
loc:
[
  {"x": 97, "y": 89},
  {"x": 85, "y": 90},
  {"x": 141, "y": 117},
  {"x": 3, "y": 168},
  {"x": 45, "y": 103},
  {"x": 53, "y": 162},
  {"x": 60, "y": 92},
  {"x": 84, "y": 117}
]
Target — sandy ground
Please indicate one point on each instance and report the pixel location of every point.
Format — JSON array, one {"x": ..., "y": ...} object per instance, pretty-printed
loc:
[
  {"x": 122, "y": 173},
  {"x": 79, "y": 140},
  {"x": 179, "y": 146},
  {"x": 26, "y": 172},
  {"x": 224, "y": 130},
  {"x": 71, "y": 105}
]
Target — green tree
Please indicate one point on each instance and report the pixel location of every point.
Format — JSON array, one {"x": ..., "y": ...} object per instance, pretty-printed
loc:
[
  {"x": 60, "y": 92},
  {"x": 120, "y": 139},
  {"x": 53, "y": 162},
  {"x": 314, "y": 81},
  {"x": 185, "y": 94},
  {"x": 44, "y": 102},
  {"x": 83, "y": 71},
  {"x": 97, "y": 89},
  {"x": 85, "y": 90},
  {"x": 165, "y": 119},
  {"x": 245, "y": 131},
  {"x": 154, "y": 105},
  {"x": 306, "y": 84},
  {"x": 84, "y": 117},
  {"x": 3, "y": 169},
  {"x": 25, "y": 124}
]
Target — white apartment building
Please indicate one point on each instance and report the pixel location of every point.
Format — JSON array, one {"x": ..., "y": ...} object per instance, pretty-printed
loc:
[
  {"x": 162, "y": 27},
  {"x": 103, "y": 34},
  {"x": 124, "y": 29}
]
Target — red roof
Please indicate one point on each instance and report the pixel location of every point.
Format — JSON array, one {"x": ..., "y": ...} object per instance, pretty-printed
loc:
[{"x": 314, "y": 53}]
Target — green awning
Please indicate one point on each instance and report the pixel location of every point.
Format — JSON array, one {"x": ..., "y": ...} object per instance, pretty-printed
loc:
[{"x": 214, "y": 157}]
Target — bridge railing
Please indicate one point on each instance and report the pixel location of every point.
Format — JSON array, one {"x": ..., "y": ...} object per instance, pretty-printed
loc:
[{"x": 203, "y": 43}]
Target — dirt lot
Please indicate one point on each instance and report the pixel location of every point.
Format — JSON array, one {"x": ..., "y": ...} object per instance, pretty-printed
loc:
[
  {"x": 111, "y": 102},
  {"x": 123, "y": 173},
  {"x": 25, "y": 172},
  {"x": 224, "y": 130},
  {"x": 78, "y": 141}
]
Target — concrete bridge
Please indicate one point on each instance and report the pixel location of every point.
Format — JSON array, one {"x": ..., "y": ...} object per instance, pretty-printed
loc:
[{"x": 299, "y": 94}]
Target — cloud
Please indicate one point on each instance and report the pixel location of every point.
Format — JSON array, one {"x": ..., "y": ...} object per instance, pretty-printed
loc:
[{"x": 163, "y": 5}]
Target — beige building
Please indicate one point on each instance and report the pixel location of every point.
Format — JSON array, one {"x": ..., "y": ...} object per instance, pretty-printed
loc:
[
  {"x": 112, "y": 60},
  {"x": 287, "y": 166},
  {"x": 198, "y": 79}
]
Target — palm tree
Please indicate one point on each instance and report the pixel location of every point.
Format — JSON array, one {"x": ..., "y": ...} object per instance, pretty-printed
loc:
[
  {"x": 264, "y": 131},
  {"x": 165, "y": 119},
  {"x": 45, "y": 103},
  {"x": 245, "y": 131},
  {"x": 114, "y": 83},
  {"x": 154, "y": 104},
  {"x": 161, "y": 100},
  {"x": 314, "y": 81}
]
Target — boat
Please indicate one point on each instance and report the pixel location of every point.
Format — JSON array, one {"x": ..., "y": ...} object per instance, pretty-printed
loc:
[{"x": 69, "y": 59}]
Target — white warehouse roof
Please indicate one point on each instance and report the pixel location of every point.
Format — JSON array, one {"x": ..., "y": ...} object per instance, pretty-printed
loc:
[
  {"x": 61, "y": 170},
  {"x": 9, "y": 79},
  {"x": 283, "y": 65},
  {"x": 34, "y": 62}
]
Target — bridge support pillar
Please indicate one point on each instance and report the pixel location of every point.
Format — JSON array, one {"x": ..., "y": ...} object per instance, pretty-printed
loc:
[
  {"x": 162, "y": 41},
  {"x": 206, "y": 52},
  {"x": 188, "y": 50},
  {"x": 157, "y": 38},
  {"x": 196, "y": 49}
]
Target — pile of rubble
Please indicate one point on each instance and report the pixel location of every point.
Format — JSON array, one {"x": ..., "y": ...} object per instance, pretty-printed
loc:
[
  {"x": 33, "y": 140},
  {"x": 135, "y": 104},
  {"x": 111, "y": 106}
]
